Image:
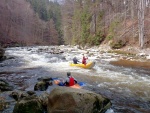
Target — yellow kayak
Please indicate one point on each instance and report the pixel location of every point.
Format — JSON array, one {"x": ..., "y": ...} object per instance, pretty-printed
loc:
[{"x": 87, "y": 66}]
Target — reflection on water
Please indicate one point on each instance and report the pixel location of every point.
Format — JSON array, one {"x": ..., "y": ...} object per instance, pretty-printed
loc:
[{"x": 129, "y": 88}]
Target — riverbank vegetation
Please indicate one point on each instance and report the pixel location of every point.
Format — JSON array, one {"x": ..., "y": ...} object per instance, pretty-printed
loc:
[{"x": 77, "y": 22}]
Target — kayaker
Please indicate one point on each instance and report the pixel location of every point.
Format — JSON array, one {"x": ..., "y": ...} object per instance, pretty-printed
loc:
[
  {"x": 70, "y": 81},
  {"x": 75, "y": 60},
  {"x": 84, "y": 59}
]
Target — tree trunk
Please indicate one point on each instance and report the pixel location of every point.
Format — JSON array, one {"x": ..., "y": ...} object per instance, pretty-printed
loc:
[{"x": 141, "y": 22}]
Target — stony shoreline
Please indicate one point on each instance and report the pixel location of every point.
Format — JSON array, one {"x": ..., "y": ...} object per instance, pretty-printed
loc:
[
  {"x": 130, "y": 50},
  {"x": 134, "y": 57}
]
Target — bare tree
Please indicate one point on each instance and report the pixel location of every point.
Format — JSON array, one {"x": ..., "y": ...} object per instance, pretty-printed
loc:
[{"x": 141, "y": 11}]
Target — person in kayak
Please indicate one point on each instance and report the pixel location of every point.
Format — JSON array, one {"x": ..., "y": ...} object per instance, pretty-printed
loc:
[
  {"x": 84, "y": 59},
  {"x": 70, "y": 81},
  {"x": 75, "y": 60}
]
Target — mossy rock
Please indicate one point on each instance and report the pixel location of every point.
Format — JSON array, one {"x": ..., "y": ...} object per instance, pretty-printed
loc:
[
  {"x": 29, "y": 105},
  {"x": 4, "y": 86}
]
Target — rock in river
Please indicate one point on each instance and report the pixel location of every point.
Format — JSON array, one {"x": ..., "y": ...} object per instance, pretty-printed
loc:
[{"x": 70, "y": 100}]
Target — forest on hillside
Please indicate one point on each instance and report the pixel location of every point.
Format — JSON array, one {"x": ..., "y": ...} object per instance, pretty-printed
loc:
[
  {"x": 30, "y": 22},
  {"x": 81, "y": 22}
]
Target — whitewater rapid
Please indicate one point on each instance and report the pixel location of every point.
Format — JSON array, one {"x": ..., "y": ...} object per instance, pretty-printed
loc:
[
  {"x": 131, "y": 82},
  {"x": 115, "y": 78}
]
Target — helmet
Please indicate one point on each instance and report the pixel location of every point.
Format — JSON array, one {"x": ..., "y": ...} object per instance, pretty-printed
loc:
[{"x": 68, "y": 74}]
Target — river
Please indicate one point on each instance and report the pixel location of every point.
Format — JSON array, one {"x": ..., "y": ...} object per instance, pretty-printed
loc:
[{"x": 127, "y": 87}]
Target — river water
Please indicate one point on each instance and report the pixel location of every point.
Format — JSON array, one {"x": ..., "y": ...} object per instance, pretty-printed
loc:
[{"x": 128, "y": 88}]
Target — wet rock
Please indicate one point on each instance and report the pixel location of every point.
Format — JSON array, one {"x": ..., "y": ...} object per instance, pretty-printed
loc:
[
  {"x": 41, "y": 86},
  {"x": 44, "y": 79},
  {"x": 69, "y": 100},
  {"x": 2, "y": 52},
  {"x": 18, "y": 95},
  {"x": 3, "y": 104},
  {"x": 31, "y": 92},
  {"x": 52, "y": 50},
  {"x": 43, "y": 83},
  {"x": 57, "y": 51},
  {"x": 15, "y": 95},
  {"x": 4, "y": 86},
  {"x": 31, "y": 104},
  {"x": 10, "y": 57}
]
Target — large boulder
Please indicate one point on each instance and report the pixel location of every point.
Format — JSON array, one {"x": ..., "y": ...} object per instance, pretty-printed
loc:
[{"x": 70, "y": 100}]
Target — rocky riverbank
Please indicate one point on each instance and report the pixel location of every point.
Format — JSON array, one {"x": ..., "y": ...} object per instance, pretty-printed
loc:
[
  {"x": 135, "y": 52},
  {"x": 130, "y": 56}
]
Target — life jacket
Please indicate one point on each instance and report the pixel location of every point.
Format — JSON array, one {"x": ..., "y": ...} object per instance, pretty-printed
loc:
[
  {"x": 84, "y": 61},
  {"x": 71, "y": 81}
]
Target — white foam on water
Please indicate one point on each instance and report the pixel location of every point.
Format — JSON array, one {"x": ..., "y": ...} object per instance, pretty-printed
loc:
[
  {"x": 110, "y": 111},
  {"x": 121, "y": 79}
]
